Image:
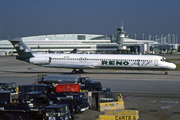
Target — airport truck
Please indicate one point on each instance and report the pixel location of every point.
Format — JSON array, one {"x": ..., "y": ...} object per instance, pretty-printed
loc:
[
  {"x": 57, "y": 112},
  {"x": 21, "y": 111},
  {"x": 85, "y": 82},
  {"x": 93, "y": 89},
  {"x": 42, "y": 93},
  {"x": 36, "y": 99},
  {"x": 80, "y": 102},
  {"x": 31, "y": 109},
  {"x": 11, "y": 86}
]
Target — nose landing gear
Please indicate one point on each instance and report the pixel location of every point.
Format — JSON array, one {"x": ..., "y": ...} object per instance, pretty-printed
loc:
[{"x": 76, "y": 72}]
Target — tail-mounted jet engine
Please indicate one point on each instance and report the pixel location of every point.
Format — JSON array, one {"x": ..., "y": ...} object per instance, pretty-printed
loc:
[{"x": 43, "y": 60}]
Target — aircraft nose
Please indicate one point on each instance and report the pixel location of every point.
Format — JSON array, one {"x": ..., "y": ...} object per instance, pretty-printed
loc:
[{"x": 173, "y": 66}]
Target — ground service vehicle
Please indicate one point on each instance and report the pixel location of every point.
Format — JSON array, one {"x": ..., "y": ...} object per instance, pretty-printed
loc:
[
  {"x": 21, "y": 111},
  {"x": 50, "y": 98},
  {"x": 36, "y": 99},
  {"x": 37, "y": 94},
  {"x": 34, "y": 106},
  {"x": 11, "y": 86},
  {"x": 96, "y": 94},
  {"x": 65, "y": 100},
  {"x": 24, "y": 89},
  {"x": 57, "y": 112},
  {"x": 85, "y": 82}
]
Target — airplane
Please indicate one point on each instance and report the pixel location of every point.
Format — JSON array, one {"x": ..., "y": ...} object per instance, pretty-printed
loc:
[{"x": 78, "y": 62}]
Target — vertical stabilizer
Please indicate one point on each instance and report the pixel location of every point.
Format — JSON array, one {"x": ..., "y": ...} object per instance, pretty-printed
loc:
[{"x": 24, "y": 52}]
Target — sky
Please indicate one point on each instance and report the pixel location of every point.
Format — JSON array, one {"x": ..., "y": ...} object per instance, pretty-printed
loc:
[{"x": 21, "y": 18}]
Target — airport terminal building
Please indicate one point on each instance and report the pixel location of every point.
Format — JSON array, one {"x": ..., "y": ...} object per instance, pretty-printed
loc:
[
  {"x": 64, "y": 43},
  {"x": 84, "y": 43}
]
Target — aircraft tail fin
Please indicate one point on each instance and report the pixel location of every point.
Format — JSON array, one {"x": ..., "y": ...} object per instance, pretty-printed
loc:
[{"x": 24, "y": 52}]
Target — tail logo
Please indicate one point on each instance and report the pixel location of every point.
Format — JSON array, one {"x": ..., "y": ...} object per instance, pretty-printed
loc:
[
  {"x": 21, "y": 48},
  {"x": 23, "y": 51},
  {"x": 27, "y": 50},
  {"x": 16, "y": 45}
]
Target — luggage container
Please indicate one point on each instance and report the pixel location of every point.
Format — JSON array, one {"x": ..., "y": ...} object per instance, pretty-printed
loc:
[
  {"x": 5, "y": 97},
  {"x": 23, "y": 89},
  {"x": 112, "y": 105},
  {"x": 97, "y": 97},
  {"x": 108, "y": 96}
]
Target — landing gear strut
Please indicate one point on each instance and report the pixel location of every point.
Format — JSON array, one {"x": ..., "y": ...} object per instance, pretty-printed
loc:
[
  {"x": 81, "y": 70},
  {"x": 75, "y": 71}
]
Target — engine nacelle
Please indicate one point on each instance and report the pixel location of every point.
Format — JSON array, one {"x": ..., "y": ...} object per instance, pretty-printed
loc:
[{"x": 44, "y": 60}]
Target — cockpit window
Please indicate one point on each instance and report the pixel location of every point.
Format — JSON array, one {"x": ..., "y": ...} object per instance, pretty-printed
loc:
[{"x": 164, "y": 59}]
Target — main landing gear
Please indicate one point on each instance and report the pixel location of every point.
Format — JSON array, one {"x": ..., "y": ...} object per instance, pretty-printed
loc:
[
  {"x": 75, "y": 71},
  {"x": 166, "y": 72}
]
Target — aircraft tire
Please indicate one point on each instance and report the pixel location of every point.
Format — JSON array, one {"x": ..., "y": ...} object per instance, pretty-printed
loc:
[
  {"x": 74, "y": 71},
  {"x": 166, "y": 73},
  {"x": 81, "y": 70}
]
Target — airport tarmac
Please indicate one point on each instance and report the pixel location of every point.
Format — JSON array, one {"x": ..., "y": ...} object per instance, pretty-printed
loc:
[{"x": 156, "y": 96}]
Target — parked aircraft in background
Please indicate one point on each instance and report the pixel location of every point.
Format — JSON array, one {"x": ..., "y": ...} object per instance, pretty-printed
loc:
[{"x": 78, "y": 62}]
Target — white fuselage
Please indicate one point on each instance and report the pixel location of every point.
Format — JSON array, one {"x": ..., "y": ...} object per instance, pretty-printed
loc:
[{"x": 102, "y": 61}]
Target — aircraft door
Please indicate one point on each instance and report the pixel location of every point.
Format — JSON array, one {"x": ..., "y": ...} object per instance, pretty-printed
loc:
[
  {"x": 156, "y": 62},
  {"x": 50, "y": 59},
  {"x": 138, "y": 62}
]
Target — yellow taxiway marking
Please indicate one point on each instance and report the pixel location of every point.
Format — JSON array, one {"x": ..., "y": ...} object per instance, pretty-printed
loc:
[
  {"x": 162, "y": 71},
  {"x": 112, "y": 70}
]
